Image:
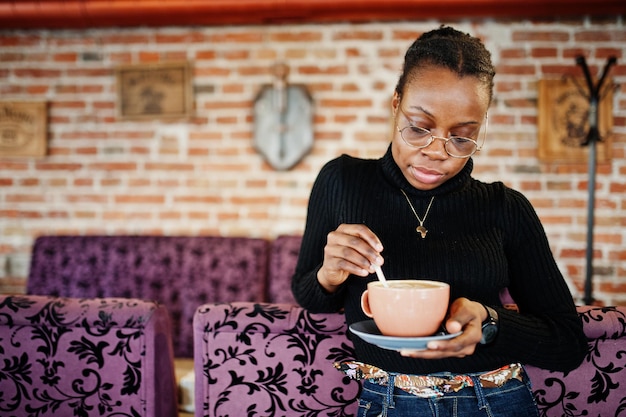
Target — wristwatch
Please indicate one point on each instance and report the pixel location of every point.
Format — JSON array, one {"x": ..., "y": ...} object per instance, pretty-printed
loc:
[{"x": 490, "y": 326}]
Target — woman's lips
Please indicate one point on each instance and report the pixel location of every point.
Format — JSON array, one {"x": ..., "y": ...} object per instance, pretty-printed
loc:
[{"x": 425, "y": 175}]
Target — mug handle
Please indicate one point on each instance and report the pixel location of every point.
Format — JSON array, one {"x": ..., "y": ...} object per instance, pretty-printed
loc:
[{"x": 365, "y": 305}]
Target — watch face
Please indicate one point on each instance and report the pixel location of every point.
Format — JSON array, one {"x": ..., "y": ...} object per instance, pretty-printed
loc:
[{"x": 489, "y": 333}]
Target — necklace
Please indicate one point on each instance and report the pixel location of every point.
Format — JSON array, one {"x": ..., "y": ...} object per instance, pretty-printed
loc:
[{"x": 420, "y": 229}]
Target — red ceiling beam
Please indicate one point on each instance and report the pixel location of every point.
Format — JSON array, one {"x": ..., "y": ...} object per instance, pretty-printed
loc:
[{"x": 57, "y": 14}]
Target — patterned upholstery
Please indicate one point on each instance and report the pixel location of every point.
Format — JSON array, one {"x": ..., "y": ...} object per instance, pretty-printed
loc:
[
  {"x": 85, "y": 357},
  {"x": 276, "y": 360},
  {"x": 598, "y": 386},
  {"x": 251, "y": 358},
  {"x": 179, "y": 272},
  {"x": 270, "y": 360}
]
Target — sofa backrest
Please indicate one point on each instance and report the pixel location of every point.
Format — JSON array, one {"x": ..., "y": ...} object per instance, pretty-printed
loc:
[
  {"x": 271, "y": 360},
  {"x": 282, "y": 264},
  {"x": 78, "y": 357},
  {"x": 179, "y": 272}
]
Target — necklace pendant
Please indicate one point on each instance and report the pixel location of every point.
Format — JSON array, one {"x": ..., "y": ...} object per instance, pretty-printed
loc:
[{"x": 421, "y": 230}]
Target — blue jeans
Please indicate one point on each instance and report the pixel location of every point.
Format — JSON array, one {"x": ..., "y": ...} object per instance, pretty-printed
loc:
[{"x": 513, "y": 399}]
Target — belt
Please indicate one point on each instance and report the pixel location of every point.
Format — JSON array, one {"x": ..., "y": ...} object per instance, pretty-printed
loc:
[{"x": 430, "y": 386}]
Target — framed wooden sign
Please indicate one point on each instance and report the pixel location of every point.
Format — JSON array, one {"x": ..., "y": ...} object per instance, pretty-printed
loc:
[
  {"x": 564, "y": 121},
  {"x": 154, "y": 91},
  {"x": 23, "y": 129}
]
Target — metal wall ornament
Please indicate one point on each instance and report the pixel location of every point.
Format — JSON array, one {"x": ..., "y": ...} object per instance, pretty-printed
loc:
[{"x": 283, "y": 121}]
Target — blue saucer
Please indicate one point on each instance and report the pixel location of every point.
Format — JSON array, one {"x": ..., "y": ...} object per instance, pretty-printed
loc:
[{"x": 368, "y": 331}]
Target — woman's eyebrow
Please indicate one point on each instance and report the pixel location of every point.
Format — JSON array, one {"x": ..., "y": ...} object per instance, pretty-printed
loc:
[
  {"x": 421, "y": 109},
  {"x": 429, "y": 114}
]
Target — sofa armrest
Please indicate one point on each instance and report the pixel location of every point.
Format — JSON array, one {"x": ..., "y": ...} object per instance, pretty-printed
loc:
[
  {"x": 603, "y": 322},
  {"x": 70, "y": 356},
  {"x": 270, "y": 359},
  {"x": 596, "y": 387}
]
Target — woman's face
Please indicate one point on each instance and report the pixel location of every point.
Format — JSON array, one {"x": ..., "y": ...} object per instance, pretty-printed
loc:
[{"x": 436, "y": 99}]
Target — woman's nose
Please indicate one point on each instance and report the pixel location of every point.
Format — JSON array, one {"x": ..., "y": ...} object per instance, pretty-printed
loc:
[{"x": 436, "y": 149}]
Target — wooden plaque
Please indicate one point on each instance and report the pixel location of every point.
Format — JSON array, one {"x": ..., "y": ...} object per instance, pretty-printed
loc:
[
  {"x": 23, "y": 129},
  {"x": 564, "y": 121},
  {"x": 154, "y": 91}
]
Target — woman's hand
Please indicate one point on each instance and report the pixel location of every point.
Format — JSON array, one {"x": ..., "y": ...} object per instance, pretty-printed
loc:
[
  {"x": 465, "y": 315},
  {"x": 351, "y": 249}
]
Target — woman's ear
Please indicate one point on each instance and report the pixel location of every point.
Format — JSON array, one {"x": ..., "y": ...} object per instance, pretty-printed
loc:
[{"x": 395, "y": 102}]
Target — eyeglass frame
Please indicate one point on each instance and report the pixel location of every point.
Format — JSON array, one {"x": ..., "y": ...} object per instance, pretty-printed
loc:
[{"x": 445, "y": 140}]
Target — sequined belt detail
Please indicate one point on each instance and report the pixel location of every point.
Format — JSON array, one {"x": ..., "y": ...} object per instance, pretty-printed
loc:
[{"x": 430, "y": 386}]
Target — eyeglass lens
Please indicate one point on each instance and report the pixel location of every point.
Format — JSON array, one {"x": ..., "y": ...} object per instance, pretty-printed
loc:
[{"x": 454, "y": 146}]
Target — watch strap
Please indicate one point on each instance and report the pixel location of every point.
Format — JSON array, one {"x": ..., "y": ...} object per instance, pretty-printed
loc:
[{"x": 490, "y": 326}]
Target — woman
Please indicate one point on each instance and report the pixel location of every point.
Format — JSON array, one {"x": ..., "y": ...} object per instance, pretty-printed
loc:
[{"x": 418, "y": 213}]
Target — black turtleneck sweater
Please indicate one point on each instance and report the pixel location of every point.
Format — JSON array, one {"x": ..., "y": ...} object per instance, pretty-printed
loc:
[{"x": 481, "y": 239}]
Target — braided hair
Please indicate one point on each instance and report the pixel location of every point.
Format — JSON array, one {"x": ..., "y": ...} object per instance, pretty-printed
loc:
[{"x": 448, "y": 48}]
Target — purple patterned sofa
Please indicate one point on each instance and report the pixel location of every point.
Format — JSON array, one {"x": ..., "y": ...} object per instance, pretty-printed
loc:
[
  {"x": 178, "y": 272},
  {"x": 85, "y": 357},
  {"x": 276, "y": 360},
  {"x": 268, "y": 359}
]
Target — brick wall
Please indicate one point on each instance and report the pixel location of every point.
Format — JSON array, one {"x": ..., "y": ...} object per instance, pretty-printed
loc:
[{"x": 203, "y": 176}]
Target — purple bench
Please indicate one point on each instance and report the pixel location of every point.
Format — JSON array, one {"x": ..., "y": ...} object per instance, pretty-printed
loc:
[{"x": 85, "y": 357}]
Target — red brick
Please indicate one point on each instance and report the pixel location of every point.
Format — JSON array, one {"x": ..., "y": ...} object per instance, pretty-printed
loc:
[
  {"x": 598, "y": 36},
  {"x": 148, "y": 57},
  {"x": 235, "y": 37},
  {"x": 126, "y": 39},
  {"x": 19, "y": 214},
  {"x": 89, "y": 72},
  {"x": 346, "y": 103},
  {"x": 405, "y": 35},
  {"x": 206, "y": 199},
  {"x": 59, "y": 166},
  {"x": 164, "y": 166},
  {"x": 36, "y": 73},
  {"x": 516, "y": 53},
  {"x": 544, "y": 53},
  {"x": 540, "y": 36},
  {"x": 522, "y": 69},
  {"x": 612, "y": 287},
  {"x": 113, "y": 166},
  {"x": 139, "y": 199},
  {"x": 7, "y": 39},
  {"x": 294, "y": 36},
  {"x": 366, "y": 35},
  {"x": 330, "y": 70},
  {"x": 24, "y": 198},
  {"x": 87, "y": 198},
  {"x": 206, "y": 55},
  {"x": 65, "y": 57}
]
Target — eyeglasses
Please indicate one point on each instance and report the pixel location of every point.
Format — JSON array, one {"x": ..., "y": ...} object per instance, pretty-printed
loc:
[{"x": 455, "y": 146}]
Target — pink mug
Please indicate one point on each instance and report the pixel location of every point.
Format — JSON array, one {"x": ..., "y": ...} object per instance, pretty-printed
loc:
[{"x": 406, "y": 308}]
